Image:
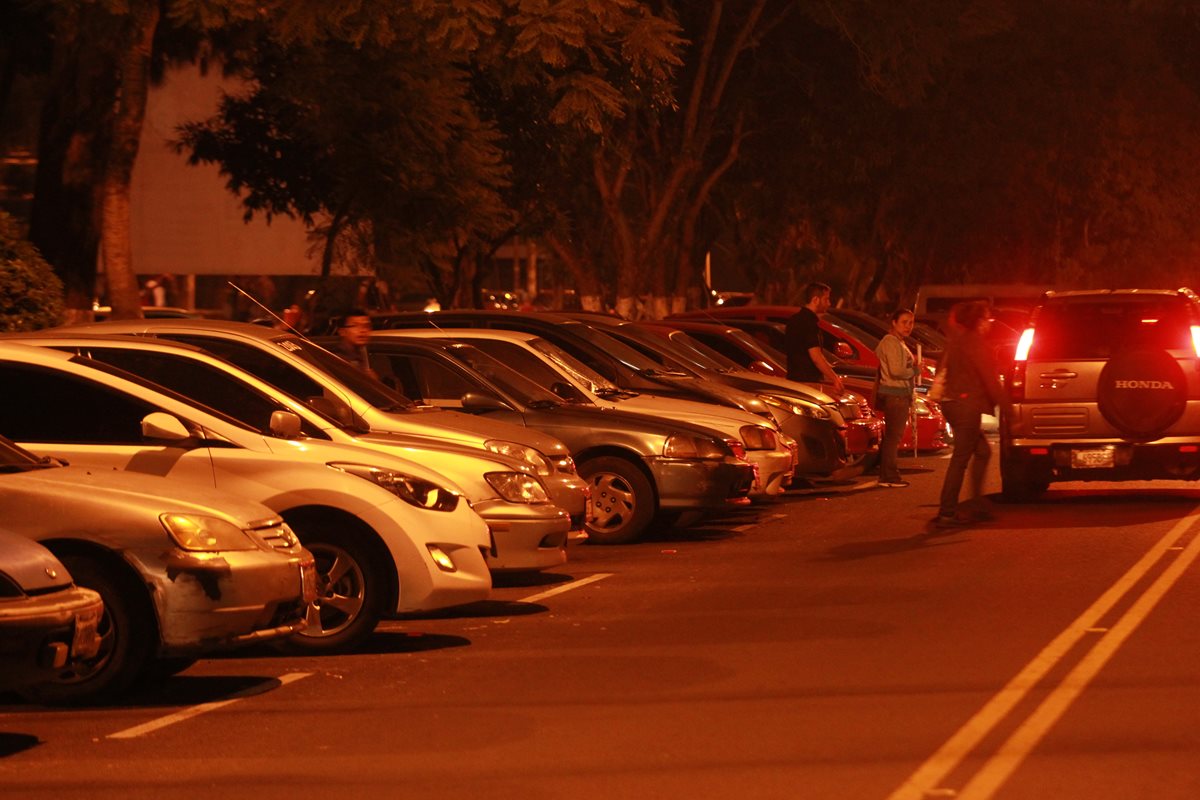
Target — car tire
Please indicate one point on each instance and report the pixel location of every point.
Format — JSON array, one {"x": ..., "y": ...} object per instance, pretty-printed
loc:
[
  {"x": 350, "y": 587},
  {"x": 622, "y": 502},
  {"x": 128, "y": 636}
]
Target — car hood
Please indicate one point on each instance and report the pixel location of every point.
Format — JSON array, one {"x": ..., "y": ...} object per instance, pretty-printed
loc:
[
  {"x": 471, "y": 431},
  {"x": 115, "y": 505},
  {"x": 593, "y": 418},
  {"x": 31, "y": 566}
]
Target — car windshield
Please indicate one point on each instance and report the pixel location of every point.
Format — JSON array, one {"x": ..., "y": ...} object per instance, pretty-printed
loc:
[
  {"x": 373, "y": 391},
  {"x": 575, "y": 368},
  {"x": 621, "y": 351},
  {"x": 513, "y": 383},
  {"x": 14, "y": 458},
  {"x": 1091, "y": 327},
  {"x": 761, "y": 349}
]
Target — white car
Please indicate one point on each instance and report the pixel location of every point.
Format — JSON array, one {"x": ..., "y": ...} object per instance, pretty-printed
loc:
[
  {"x": 772, "y": 454},
  {"x": 389, "y": 535},
  {"x": 311, "y": 374},
  {"x": 182, "y": 570},
  {"x": 529, "y": 532}
]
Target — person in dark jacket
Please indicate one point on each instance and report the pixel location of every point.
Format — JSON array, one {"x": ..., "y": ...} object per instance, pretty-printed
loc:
[
  {"x": 972, "y": 389},
  {"x": 806, "y": 361},
  {"x": 354, "y": 332}
]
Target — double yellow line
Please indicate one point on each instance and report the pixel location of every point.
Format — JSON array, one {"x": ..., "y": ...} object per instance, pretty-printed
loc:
[{"x": 1005, "y": 761}]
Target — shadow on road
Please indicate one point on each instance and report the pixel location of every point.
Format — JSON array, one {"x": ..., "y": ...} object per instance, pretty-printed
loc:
[
  {"x": 13, "y": 743},
  {"x": 852, "y": 551},
  {"x": 484, "y": 608},
  {"x": 503, "y": 580}
]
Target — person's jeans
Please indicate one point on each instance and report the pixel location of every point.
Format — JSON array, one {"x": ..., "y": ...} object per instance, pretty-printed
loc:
[
  {"x": 970, "y": 447},
  {"x": 896, "y": 410}
]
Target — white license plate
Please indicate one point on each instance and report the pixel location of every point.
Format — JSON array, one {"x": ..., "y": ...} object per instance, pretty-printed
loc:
[
  {"x": 1092, "y": 458},
  {"x": 86, "y": 643},
  {"x": 308, "y": 581}
]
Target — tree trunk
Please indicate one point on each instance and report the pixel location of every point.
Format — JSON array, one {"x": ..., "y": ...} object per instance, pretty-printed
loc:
[
  {"x": 130, "y": 111},
  {"x": 73, "y": 140}
]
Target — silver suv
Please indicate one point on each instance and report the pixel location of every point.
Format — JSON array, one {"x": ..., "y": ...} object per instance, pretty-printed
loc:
[{"x": 1105, "y": 385}]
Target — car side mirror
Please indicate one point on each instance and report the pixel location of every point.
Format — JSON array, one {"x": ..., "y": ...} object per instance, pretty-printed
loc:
[
  {"x": 563, "y": 389},
  {"x": 164, "y": 428},
  {"x": 844, "y": 350},
  {"x": 480, "y": 401},
  {"x": 285, "y": 424}
]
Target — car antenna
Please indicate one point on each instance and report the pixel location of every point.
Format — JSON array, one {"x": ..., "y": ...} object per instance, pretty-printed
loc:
[{"x": 273, "y": 315}]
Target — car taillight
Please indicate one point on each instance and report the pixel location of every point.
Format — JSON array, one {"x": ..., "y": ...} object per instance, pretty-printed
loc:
[
  {"x": 1196, "y": 339},
  {"x": 1016, "y": 380}
]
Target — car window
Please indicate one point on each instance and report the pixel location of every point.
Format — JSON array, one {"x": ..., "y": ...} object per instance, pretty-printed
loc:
[
  {"x": 258, "y": 363},
  {"x": 508, "y": 380},
  {"x": 436, "y": 383},
  {"x": 1099, "y": 328},
  {"x": 203, "y": 383},
  {"x": 530, "y": 366},
  {"x": 42, "y": 405}
]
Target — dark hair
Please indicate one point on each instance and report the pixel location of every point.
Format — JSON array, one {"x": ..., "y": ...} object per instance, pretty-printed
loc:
[
  {"x": 900, "y": 312},
  {"x": 815, "y": 290},
  {"x": 343, "y": 319},
  {"x": 969, "y": 314}
]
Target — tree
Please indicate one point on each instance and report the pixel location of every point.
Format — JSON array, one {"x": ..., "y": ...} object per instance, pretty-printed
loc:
[{"x": 31, "y": 295}]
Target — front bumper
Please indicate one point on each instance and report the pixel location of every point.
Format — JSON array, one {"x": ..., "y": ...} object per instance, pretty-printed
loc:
[
  {"x": 820, "y": 451},
  {"x": 570, "y": 493},
  {"x": 215, "y": 601},
  {"x": 526, "y": 538},
  {"x": 40, "y": 635},
  {"x": 773, "y": 471},
  {"x": 686, "y": 484},
  {"x": 863, "y": 436}
]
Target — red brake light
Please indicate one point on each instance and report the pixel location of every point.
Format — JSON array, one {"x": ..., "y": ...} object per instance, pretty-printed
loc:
[
  {"x": 1196, "y": 339},
  {"x": 1026, "y": 341}
]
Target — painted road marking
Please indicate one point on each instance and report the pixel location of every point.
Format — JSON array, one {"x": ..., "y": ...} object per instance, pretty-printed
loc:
[
  {"x": 203, "y": 708},
  {"x": 927, "y": 777},
  {"x": 533, "y": 598}
]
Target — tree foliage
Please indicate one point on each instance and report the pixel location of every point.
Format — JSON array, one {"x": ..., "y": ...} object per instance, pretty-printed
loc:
[{"x": 31, "y": 295}]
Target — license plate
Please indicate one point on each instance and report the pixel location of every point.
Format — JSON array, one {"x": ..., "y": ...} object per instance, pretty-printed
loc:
[
  {"x": 308, "y": 581},
  {"x": 86, "y": 643},
  {"x": 1092, "y": 458}
]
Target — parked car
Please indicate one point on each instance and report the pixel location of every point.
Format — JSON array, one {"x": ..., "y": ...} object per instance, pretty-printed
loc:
[
  {"x": 310, "y": 373},
  {"x": 638, "y": 466},
  {"x": 622, "y": 366},
  {"x": 931, "y": 431},
  {"x": 529, "y": 532},
  {"x": 831, "y": 433},
  {"x": 47, "y": 623},
  {"x": 772, "y": 456},
  {"x": 1104, "y": 387},
  {"x": 388, "y": 534},
  {"x": 182, "y": 568}
]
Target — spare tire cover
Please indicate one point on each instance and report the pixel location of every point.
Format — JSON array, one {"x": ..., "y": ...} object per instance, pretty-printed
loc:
[{"x": 1142, "y": 393}]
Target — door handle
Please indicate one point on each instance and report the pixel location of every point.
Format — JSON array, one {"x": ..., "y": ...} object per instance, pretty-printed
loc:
[{"x": 1059, "y": 373}]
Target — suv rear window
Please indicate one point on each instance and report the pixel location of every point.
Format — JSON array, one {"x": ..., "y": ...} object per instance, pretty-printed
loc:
[{"x": 1075, "y": 328}]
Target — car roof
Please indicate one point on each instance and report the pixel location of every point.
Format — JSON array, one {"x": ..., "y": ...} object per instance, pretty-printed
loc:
[
  {"x": 144, "y": 326},
  {"x": 455, "y": 333}
]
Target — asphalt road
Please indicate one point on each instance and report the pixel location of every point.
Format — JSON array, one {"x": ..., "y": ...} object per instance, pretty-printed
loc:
[{"x": 825, "y": 646}]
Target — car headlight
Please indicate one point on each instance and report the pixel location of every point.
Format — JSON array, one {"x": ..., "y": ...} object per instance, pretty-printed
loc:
[
  {"x": 921, "y": 408},
  {"x": 850, "y": 406},
  {"x": 412, "y": 490},
  {"x": 516, "y": 487},
  {"x": 205, "y": 534},
  {"x": 685, "y": 445},
  {"x": 812, "y": 410},
  {"x": 564, "y": 464},
  {"x": 520, "y": 452},
  {"x": 756, "y": 437}
]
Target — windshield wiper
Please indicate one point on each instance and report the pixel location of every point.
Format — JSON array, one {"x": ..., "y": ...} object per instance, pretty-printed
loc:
[{"x": 662, "y": 373}]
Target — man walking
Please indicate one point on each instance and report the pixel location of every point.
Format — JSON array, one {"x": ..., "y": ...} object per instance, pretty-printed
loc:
[{"x": 806, "y": 361}]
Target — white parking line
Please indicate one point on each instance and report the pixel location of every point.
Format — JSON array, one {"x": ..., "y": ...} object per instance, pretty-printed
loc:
[
  {"x": 924, "y": 782},
  {"x": 566, "y": 587},
  {"x": 188, "y": 713}
]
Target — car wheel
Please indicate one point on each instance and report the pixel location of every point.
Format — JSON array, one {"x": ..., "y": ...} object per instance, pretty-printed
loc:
[
  {"x": 127, "y": 637},
  {"x": 622, "y": 500},
  {"x": 349, "y": 587}
]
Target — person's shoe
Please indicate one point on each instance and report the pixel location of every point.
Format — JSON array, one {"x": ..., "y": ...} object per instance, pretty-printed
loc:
[
  {"x": 945, "y": 522},
  {"x": 893, "y": 484}
]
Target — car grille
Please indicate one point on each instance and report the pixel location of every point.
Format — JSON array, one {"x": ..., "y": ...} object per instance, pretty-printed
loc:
[{"x": 277, "y": 537}]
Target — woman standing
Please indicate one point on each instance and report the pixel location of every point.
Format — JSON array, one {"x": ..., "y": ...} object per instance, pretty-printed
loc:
[
  {"x": 896, "y": 373},
  {"x": 972, "y": 390}
]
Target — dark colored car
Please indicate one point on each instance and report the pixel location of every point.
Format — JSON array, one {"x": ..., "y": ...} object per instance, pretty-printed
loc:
[
  {"x": 634, "y": 463},
  {"x": 1104, "y": 386},
  {"x": 46, "y": 621}
]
